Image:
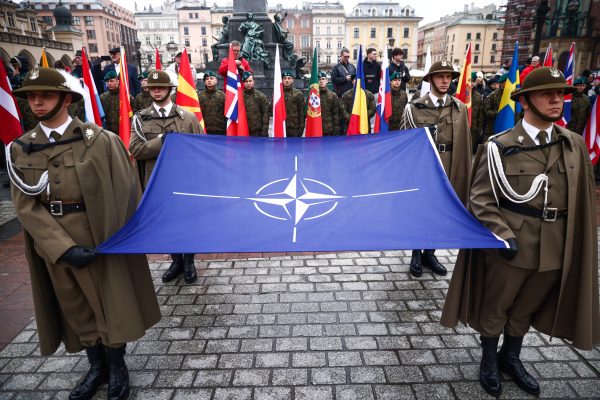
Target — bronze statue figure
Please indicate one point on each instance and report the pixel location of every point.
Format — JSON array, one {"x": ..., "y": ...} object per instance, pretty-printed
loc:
[{"x": 253, "y": 47}]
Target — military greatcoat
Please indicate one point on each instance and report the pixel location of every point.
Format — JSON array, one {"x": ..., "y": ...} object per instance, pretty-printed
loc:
[
  {"x": 147, "y": 129},
  {"x": 295, "y": 107},
  {"x": 568, "y": 245},
  {"x": 114, "y": 295}
]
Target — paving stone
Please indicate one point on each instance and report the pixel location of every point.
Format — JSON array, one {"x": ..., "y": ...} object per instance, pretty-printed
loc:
[
  {"x": 233, "y": 361},
  {"x": 308, "y": 359},
  {"x": 441, "y": 373},
  {"x": 340, "y": 330},
  {"x": 254, "y": 377},
  {"x": 22, "y": 365},
  {"x": 153, "y": 394},
  {"x": 164, "y": 362},
  {"x": 243, "y": 332},
  {"x": 586, "y": 388},
  {"x": 360, "y": 343},
  {"x": 327, "y": 343},
  {"x": 272, "y": 360},
  {"x": 291, "y": 344},
  {"x": 307, "y": 330},
  {"x": 139, "y": 379},
  {"x": 354, "y": 392},
  {"x": 353, "y": 317},
  {"x": 403, "y": 374},
  {"x": 17, "y": 350},
  {"x": 559, "y": 353},
  {"x": 313, "y": 393},
  {"x": 371, "y": 329},
  {"x": 290, "y": 377},
  {"x": 196, "y": 394},
  {"x": 367, "y": 375},
  {"x": 272, "y": 393},
  {"x": 232, "y": 394},
  {"x": 290, "y": 319},
  {"x": 187, "y": 346},
  {"x": 344, "y": 358},
  {"x": 394, "y": 392},
  {"x": 208, "y": 378},
  {"x": 328, "y": 376},
  {"x": 583, "y": 370},
  {"x": 169, "y": 379},
  {"x": 199, "y": 361},
  {"x": 56, "y": 364},
  {"x": 254, "y": 345},
  {"x": 321, "y": 318},
  {"x": 380, "y": 358},
  {"x": 222, "y": 346},
  {"x": 555, "y": 370},
  {"x": 274, "y": 331},
  {"x": 452, "y": 356},
  {"x": 20, "y": 381}
]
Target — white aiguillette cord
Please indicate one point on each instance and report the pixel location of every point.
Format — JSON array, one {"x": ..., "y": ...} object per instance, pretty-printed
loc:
[{"x": 34, "y": 190}]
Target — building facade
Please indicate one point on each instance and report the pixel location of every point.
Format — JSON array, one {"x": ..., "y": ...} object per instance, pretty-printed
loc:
[
  {"x": 195, "y": 31},
  {"x": 485, "y": 36},
  {"x": 298, "y": 23},
  {"x": 157, "y": 28},
  {"x": 329, "y": 32},
  {"x": 378, "y": 23}
]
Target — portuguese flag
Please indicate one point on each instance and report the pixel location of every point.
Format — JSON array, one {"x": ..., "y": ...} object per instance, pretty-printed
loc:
[{"x": 314, "y": 125}]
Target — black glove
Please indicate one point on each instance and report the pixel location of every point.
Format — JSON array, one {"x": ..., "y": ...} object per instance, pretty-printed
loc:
[
  {"x": 79, "y": 256},
  {"x": 511, "y": 252},
  {"x": 164, "y": 136}
]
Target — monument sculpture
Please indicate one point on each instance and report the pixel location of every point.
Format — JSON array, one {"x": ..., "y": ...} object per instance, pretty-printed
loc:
[
  {"x": 253, "y": 48},
  {"x": 223, "y": 38}
]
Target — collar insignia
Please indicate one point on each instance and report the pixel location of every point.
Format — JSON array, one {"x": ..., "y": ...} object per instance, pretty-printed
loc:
[
  {"x": 554, "y": 72},
  {"x": 35, "y": 73},
  {"x": 89, "y": 133},
  {"x": 33, "y": 135},
  {"x": 520, "y": 139}
]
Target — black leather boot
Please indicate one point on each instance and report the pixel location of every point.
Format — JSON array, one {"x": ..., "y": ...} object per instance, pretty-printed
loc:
[
  {"x": 489, "y": 376},
  {"x": 510, "y": 364},
  {"x": 416, "y": 269},
  {"x": 118, "y": 379},
  {"x": 96, "y": 376},
  {"x": 430, "y": 261},
  {"x": 189, "y": 269},
  {"x": 175, "y": 269}
]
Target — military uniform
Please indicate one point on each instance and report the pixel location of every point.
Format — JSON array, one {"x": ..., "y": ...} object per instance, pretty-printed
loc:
[
  {"x": 580, "y": 111},
  {"x": 212, "y": 104},
  {"x": 399, "y": 102},
  {"x": 141, "y": 101},
  {"x": 348, "y": 101},
  {"x": 258, "y": 112},
  {"x": 295, "y": 106},
  {"x": 490, "y": 110},
  {"x": 476, "y": 115},
  {"x": 83, "y": 299},
  {"x": 111, "y": 105},
  {"x": 545, "y": 280},
  {"x": 330, "y": 112}
]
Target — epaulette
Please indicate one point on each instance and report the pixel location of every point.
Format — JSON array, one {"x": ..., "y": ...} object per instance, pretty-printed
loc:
[{"x": 498, "y": 134}]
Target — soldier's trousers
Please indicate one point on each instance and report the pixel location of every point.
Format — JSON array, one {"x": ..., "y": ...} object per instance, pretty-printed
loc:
[{"x": 512, "y": 295}]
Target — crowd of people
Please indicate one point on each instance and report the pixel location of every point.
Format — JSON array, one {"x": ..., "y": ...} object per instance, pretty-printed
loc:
[{"x": 73, "y": 185}]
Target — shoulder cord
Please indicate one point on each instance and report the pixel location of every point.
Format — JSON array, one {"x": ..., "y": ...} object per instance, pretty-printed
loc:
[
  {"x": 34, "y": 190},
  {"x": 407, "y": 118},
  {"x": 496, "y": 170},
  {"x": 137, "y": 124}
]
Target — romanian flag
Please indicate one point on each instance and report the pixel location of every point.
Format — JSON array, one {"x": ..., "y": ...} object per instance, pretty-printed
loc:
[
  {"x": 359, "y": 119},
  {"x": 463, "y": 92},
  {"x": 548, "y": 57},
  {"x": 568, "y": 72},
  {"x": 9, "y": 112},
  {"x": 235, "y": 109},
  {"x": 125, "y": 112},
  {"x": 93, "y": 106},
  {"x": 44, "y": 59},
  {"x": 187, "y": 97},
  {"x": 384, "y": 100},
  {"x": 279, "y": 114},
  {"x": 314, "y": 122},
  {"x": 505, "y": 119},
  {"x": 157, "y": 65}
]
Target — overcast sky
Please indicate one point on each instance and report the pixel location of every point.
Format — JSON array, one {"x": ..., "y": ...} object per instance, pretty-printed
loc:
[{"x": 430, "y": 10}]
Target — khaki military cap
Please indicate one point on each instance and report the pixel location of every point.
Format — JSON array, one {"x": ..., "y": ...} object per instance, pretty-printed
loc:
[
  {"x": 543, "y": 78},
  {"x": 159, "y": 79},
  {"x": 45, "y": 79},
  {"x": 439, "y": 67}
]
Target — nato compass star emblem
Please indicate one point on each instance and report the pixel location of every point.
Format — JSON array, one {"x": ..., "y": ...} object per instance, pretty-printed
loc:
[{"x": 296, "y": 199}]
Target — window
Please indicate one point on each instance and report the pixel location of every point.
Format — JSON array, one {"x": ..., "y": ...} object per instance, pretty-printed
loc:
[
  {"x": 89, "y": 20},
  {"x": 339, "y": 45},
  {"x": 306, "y": 55},
  {"x": 373, "y": 12},
  {"x": 204, "y": 42},
  {"x": 93, "y": 47},
  {"x": 466, "y": 46},
  {"x": 328, "y": 30},
  {"x": 196, "y": 15},
  {"x": 11, "y": 19},
  {"x": 33, "y": 24},
  {"x": 318, "y": 44},
  {"x": 453, "y": 36},
  {"x": 76, "y": 21},
  {"x": 91, "y": 34},
  {"x": 87, "y": 7},
  {"x": 203, "y": 30},
  {"x": 148, "y": 40},
  {"x": 108, "y": 36},
  {"x": 495, "y": 36},
  {"x": 406, "y": 32},
  {"x": 469, "y": 36},
  {"x": 304, "y": 23},
  {"x": 290, "y": 23},
  {"x": 357, "y": 12},
  {"x": 328, "y": 45},
  {"x": 186, "y": 30},
  {"x": 191, "y": 15},
  {"x": 340, "y": 30},
  {"x": 318, "y": 30},
  {"x": 48, "y": 20},
  {"x": 171, "y": 39},
  {"x": 354, "y": 54},
  {"x": 356, "y": 32},
  {"x": 475, "y": 59},
  {"x": 328, "y": 59},
  {"x": 373, "y": 32},
  {"x": 390, "y": 32},
  {"x": 478, "y": 36},
  {"x": 493, "y": 46},
  {"x": 476, "y": 46},
  {"x": 405, "y": 51},
  {"x": 157, "y": 40},
  {"x": 187, "y": 42},
  {"x": 291, "y": 39},
  {"x": 304, "y": 41},
  {"x": 492, "y": 59}
]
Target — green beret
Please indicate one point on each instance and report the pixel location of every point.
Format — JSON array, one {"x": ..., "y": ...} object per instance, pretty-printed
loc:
[
  {"x": 208, "y": 74},
  {"x": 503, "y": 78},
  {"x": 143, "y": 75},
  {"x": 286, "y": 73},
  {"x": 110, "y": 75},
  {"x": 322, "y": 74},
  {"x": 473, "y": 76},
  {"x": 580, "y": 81},
  {"x": 246, "y": 75},
  {"x": 395, "y": 75}
]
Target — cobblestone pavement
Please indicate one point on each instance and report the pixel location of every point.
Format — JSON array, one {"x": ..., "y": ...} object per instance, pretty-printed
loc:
[{"x": 326, "y": 326}]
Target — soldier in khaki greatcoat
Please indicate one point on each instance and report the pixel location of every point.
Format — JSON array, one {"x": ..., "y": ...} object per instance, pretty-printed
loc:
[
  {"x": 74, "y": 186},
  {"x": 148, "y": 131},
  {"x": 330, "y": 108},
  {"x": 295, "y": 106},
  {"x": 212, "y": 104},
  {"x": 533, "y": 186},
  {"x": 448, "y": 120}
]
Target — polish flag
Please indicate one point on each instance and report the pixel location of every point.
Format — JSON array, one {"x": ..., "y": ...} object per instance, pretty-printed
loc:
[
  {"x": 9, "y": 112},
  {"x": 279, "y": 115},
  {"x": 157, "y": 65},
  {"x": 548, "y": 56}
]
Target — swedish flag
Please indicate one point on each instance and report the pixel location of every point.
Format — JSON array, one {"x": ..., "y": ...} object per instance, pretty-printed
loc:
[{"x": 508, "y": 109}]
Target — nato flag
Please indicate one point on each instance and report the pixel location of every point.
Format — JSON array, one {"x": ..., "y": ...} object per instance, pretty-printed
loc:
[{"x": 230, "y": 194}]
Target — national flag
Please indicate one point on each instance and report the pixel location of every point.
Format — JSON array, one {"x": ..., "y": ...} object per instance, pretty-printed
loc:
[
  {"x": 548, "y": 57},
  {"x": 314, "y": 121},
  {"x": 463, "y": 92},
  {"x": 93, "y": 106},
  {"x": 187, "y": 97},
  {"x": 505, "y": 119},
  {"x": 568, "y": 72},
  {"x": 125, "y": 112},
  {"x": 44, "y": 59},
  {"x": 384, "y": 99},
  {"x": 425, "y": 86},
  {"x": 591, "y": 133},
  {"x": 279, "y": 114},
  {"x": 235, "y": 110},
  {"x": 157, "y": 65},
  {"x": 359, "y": 118},
  {"x": 9, "y": 111},
  {"x": 335, "y": 193}
]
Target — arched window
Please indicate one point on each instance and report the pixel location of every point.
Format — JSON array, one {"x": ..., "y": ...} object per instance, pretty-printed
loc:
[
  {"x": 373, "y": 12},
  {"x": 357, "y": 12}
]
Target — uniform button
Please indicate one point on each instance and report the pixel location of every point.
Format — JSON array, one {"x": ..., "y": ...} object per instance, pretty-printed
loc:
[
  {"x": 29, "y": 164},
  {"x": 521, "y": 170},
  {"x": 56, "y": 180},
  {"x": 55, "y": 163},
  {"x": 57, "y": 198}
]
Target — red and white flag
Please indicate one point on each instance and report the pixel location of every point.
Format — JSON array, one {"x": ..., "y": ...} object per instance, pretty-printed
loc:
[
  {"x": 9, "y": 112},
  {"x": 548, "y": 58},
  {"x": 279, "y": 115},
  {"x": 235, "y": 108},
  {"x": 157, "y": 65},
  {"x": 93, "y": 107},
  {"x": 591, "y": 135}
]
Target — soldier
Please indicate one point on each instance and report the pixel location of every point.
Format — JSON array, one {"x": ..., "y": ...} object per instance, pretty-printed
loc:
[
  {"x": 476, "y": 113},
  {"x": 111, "y": 102},
  {"x": 73, "y": 186},
  {"x": 546, "y": 276},
  {"x": 143, "y": 99},
  {"x": 212, "y": 104},
  {"x": 148, "y": 131},
  {"x": 580, "y": 107},
  {"x": 399, "y": 101},
  {"x": 295, "y": 106},
  {"x": 491, "y": 105},
  {"x": 348, "y": 101},
  {"x": 330, "y": 108},
  {"x": 258, "y": 109},
  {"x": 448, "y": 120}
]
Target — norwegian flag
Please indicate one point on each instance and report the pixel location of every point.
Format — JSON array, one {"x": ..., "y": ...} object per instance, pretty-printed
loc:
[
  {"x": 591, "y": 135},
  {"x": 384, "y": 100},
  {"x": 568, "y": 72},
  {"x": 9, "y": 112},
  {"x": 235, "y": 110},
  {"x": 279, "y": 114}
]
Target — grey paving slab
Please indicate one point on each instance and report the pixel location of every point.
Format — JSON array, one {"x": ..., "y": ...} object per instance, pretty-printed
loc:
[{"x": 336, "y": 326}]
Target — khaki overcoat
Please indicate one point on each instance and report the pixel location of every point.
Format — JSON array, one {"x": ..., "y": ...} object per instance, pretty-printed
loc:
[{"x": 99, "y": 164}]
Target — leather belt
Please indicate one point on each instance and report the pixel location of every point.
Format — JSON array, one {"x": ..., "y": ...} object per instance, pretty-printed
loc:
[
  {"x": 60, "y": 208},
  {"x": 547, "y": 215},
  {"x": 442, "y": 147}
]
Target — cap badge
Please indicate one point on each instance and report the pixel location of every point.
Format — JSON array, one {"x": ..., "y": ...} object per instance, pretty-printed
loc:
[
  {"x": 89, "y": 133},
  {"x": 554, "y": 72},
  {"x": 35, "y": 73},
  {"x": 155, "y": 75},
  {"x": 445, "y": 64}
]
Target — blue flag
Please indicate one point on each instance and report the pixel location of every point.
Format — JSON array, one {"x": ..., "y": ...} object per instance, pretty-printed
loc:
[
  {"x": 230, "y": 194},
  {"x": 505, "y": 119}
]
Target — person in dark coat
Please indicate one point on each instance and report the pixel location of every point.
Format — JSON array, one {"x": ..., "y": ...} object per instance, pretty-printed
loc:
[
  {"x": 341, "y": 74},
  {"x": 397, "y": 65},
  {"x": 135, "y": 86},
  {"x": 371, "y": 71}
]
